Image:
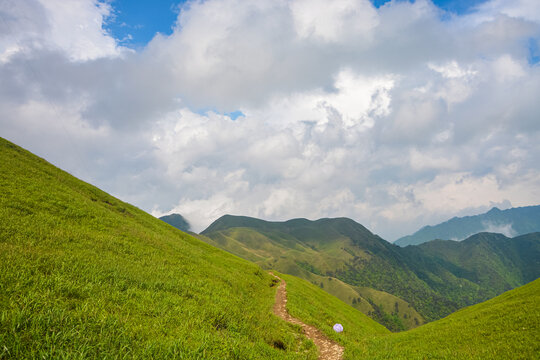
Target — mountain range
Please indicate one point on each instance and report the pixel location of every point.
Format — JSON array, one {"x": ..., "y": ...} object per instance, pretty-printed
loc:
[
  {"x": 510, "y": 222},
  {"x": 399, "y": 287}
]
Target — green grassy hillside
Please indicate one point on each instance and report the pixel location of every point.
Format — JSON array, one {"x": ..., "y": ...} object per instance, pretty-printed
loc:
[
  {"x": 505, "y": 327},
  {"x": 84, "y": 275},
  {"x": 413, "y": 282},
  {"x": 323, "y": 310}
]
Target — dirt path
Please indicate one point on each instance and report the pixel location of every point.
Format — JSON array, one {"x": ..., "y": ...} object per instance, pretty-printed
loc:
[{"x": 328, "y": 349}]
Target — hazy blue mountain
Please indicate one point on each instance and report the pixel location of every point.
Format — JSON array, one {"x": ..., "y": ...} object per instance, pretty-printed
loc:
[
  {"x": 510, "y": 222},
  {"x": 177, "y": 221}
]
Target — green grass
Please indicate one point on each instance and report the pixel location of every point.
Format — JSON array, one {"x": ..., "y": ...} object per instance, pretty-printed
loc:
[
  {"x": 371, "y": 302},
  {"x": 506, "y": 327},
  {"x": 323, "y": 310},
  {"x": 84, "y": 275}
]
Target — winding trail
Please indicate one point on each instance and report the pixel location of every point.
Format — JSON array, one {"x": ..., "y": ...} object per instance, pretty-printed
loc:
[{"x": 328, "y": 349}]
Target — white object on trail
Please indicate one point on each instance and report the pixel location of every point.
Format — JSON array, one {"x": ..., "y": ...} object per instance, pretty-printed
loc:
[{"x": 338, "y": 328}]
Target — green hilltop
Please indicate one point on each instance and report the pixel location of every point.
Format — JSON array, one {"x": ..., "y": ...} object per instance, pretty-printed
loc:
[
  {"x": 398, "y": 287},
  {"x": 302, "y": 248},
  {"x": 506, "y": 327}
]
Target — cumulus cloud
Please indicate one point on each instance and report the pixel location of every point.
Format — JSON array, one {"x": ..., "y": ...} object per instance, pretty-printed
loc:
[
  {"x": 73, "y": 27},
  {"x": 525, "y": 9},
  {"x": 339, "y": 21},
  {"x": 395, "y": 117}
]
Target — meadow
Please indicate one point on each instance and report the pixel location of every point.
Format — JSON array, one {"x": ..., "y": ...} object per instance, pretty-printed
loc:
[{"x": 84, "y": 275}]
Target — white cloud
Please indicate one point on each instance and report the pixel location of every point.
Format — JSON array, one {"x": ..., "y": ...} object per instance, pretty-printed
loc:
[
  {"x": 457, "y": 84},
  {"x": 451, "y": 70},
  {"x": 456, "y": 191},
  {"x": 74, "y": 27},
  {"x": 505, "y": 229},
  {"x": 421, "y": 161},
  {"x": 526, "y": 9},
  {"x": 354, "y": 101},
  {"x": 335, "y": 21},
  {"x": 390, "y": 116},
  {"x": 506, "y": 68}
]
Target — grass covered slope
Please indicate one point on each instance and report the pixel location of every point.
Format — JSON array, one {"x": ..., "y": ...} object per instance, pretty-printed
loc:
[
  {"x": 505, "y": 327},
  {"x": 83, "y": 274}
]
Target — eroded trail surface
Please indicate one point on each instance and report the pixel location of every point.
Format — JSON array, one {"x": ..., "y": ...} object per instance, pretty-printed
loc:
[{"x": 328, "y": 349}]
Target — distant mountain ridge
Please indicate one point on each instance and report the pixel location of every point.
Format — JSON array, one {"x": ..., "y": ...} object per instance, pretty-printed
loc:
[
  {"x": 510, "y": 222},
  {"x": 346, "y": 259},
  {"x": 178, "y": 221}
]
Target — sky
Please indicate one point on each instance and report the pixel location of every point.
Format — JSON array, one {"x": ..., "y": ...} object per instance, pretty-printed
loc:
[{"x": 396, "y": 114}]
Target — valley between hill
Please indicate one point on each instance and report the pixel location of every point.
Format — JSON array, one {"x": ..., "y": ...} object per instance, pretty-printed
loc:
[{"x": 398, "y": 287}]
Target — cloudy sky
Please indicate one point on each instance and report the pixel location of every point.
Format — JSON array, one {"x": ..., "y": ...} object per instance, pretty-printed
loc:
[{"x": 396, "y": 114}]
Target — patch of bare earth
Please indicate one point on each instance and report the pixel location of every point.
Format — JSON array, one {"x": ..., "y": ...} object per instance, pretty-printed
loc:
[{"x": 328, "y": 349}]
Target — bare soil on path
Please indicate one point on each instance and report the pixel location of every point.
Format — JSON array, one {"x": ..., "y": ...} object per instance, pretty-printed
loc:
[{"x": 328, "y": 349}]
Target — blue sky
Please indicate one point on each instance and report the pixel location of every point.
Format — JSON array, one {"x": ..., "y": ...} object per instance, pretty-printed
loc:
[
  {"x": 135, "y": 22},
  {"x": 456, "y": 6}
]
